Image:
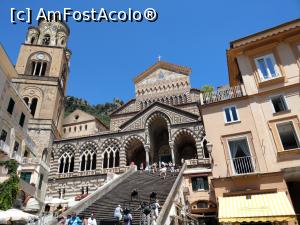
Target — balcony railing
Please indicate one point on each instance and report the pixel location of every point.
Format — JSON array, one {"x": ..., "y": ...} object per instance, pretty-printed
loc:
[
  {"x": 16, "y": 157},
  {"x": 223, "y": 94},
  {"x": 4, "y": 148},
  {"x": 243, "y": 165},
  {"x": 198, "y": 162},
  {"x": 35, "y": 161}
]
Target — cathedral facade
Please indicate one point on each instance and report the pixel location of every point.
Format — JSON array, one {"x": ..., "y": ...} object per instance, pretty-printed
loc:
[{"x": 161, "y": 124}]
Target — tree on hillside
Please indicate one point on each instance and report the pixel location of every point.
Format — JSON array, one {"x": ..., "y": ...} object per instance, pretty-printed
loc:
[{"x": 207, "y": 88}]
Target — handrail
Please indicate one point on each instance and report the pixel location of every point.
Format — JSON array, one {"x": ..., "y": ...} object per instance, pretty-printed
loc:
[
  {"x": 103, "y": 190},
  {"x": 167, "y": 205}
]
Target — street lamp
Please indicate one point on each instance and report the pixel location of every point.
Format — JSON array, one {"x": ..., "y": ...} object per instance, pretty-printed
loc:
[{"x": 209, "y": 147}]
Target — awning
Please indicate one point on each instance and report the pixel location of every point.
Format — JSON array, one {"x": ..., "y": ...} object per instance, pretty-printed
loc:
[{"x": 254, "y": 208}]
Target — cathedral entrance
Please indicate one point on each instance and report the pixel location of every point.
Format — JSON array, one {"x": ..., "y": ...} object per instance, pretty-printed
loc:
[
  {"x": 184, "y": 148},
  {"x": 135, "y": 153},
  {"x": 159, "y": 140}
]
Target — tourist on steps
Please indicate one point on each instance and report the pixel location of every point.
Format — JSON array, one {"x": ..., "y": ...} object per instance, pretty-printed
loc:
[
  {"x": 163, "y": 171},
  {"x": 74, "y": 220},
  {"x": 127, "y": 217},
  {"x": 134, "y": 194},
  {"x": 118, "y": 214},
  {"x": 92, "y": 220},
  {"x": 155, "y": 206}
]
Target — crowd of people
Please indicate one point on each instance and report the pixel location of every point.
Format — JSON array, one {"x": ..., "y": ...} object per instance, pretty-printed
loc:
[
  {"x": 162, "y": 168},
  {"x": 74, "y": 219},
  {"x": 149, "y": 212}
]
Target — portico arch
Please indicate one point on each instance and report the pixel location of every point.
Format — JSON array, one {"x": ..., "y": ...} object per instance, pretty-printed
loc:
[
  {"x": 158, "y": 127},
  {"x": 135, "y": 151},
  {"x": 184, "y": 146}
]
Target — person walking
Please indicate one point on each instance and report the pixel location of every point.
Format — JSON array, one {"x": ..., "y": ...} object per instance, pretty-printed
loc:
[
  {"x": 127, "y": 217},
  {"x": 155, "y": 206},
  {"x": 74, "y": 220},
  {"x": 92, "y": 220},
  {"x": 163, "y": 172},
  {"x": 118, "y": 214}
]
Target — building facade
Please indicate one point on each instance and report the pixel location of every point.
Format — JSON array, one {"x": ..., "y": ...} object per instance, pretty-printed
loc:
[
  {"x": 15, "y": 141},
  {"x": 253, "y": 127}
]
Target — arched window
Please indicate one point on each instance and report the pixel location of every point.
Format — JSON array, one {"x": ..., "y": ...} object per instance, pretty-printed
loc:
[
  {"x": 26, "y": 100},
  {"x": 88, "y": 158},
  {"x": 66, "y": 163},
  {"x": 111, "y": 156},
  {"x": 38, "y": 68},
  {"x": 38, "y": 64},
  {"x": 46, "y": 40},
  {"x": 32, "y": 40},
  {"x": 33, "y": 106}
]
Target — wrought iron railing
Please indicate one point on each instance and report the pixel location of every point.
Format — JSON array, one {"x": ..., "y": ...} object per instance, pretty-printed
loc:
[
  {"x": 243, "y": 165},
  {"x": 222, "y": 94}
]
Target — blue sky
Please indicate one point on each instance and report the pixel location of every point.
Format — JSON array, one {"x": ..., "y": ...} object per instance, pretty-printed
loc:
[{"x": 106, "y": 56}]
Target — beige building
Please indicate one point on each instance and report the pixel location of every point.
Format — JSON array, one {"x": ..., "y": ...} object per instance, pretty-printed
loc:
[
  {"x": 15, "y": 142},
  {"x": 80, "y": 123},
  {"x": 253, "y": 127}
]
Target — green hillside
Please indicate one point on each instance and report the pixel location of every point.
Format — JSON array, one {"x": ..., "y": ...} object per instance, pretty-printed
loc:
[{"x": 101, "y": 111}]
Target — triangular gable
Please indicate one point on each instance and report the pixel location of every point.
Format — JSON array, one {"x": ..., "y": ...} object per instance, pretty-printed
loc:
[
  {"x": 165, "y": 66},
  {"x": 123, "y": 107},
  {"x": 175, "y": 115},
  {"x": 82, "y": 117}
]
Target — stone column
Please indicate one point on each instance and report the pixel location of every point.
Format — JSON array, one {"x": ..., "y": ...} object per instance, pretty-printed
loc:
[
  {"x": 199, "y": 150},
  {"x": 122, "y": 157},
  {"x": 171, "y": 144},
  {"x": 147, "y": 150}
]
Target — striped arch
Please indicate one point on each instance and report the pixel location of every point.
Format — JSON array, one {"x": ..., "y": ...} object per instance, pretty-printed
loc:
[
  {"x": 66, "y": 148},
  {"x": 108, "y": 142},
  {"x": 111, "y": 151},
  {"x": 187, "y": 132},
  {"x": 88, "y": 156},
  {"x": 186, "y": 145},
  {"x": 66, "y": 159},
  {"x": 131, "y": 138},
  {"x": 88, "y": 145},
  {"x": 154, "y": 116}
]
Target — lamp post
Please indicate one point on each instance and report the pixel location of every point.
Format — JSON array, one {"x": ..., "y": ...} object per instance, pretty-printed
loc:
[{"x": 209, "y": 147}]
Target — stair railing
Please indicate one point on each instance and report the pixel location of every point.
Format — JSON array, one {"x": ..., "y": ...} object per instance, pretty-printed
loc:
[
  {"x": 101, "y": 191},
  {"x": 165, "y": 211}
]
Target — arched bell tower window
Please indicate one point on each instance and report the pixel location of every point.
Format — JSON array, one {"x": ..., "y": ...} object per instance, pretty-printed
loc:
[
  {"x": 32, "y": 40},
  {"x": 38, "y": 68},
  {"x": 46, "y": 40},
  {"x": 38, "y": 64}
]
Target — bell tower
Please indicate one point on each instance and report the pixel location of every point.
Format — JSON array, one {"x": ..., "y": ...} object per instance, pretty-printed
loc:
[{"x": 43, "y": 70}]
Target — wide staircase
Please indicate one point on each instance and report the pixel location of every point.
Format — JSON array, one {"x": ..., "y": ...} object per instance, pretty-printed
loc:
[{"x": 144, "y": 182}]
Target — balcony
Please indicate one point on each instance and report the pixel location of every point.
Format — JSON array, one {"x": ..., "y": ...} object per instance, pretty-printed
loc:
[
  {"x": 205, "y": 162},
  {"x": 16, "y": 157},
  {"x": 222, "y": 95},
  {"x": 4, "y": 148},
  {"x": 243, "y": 165},
  {"x": 29, "y": 142},
  {"x": 35, "y": 161}
]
